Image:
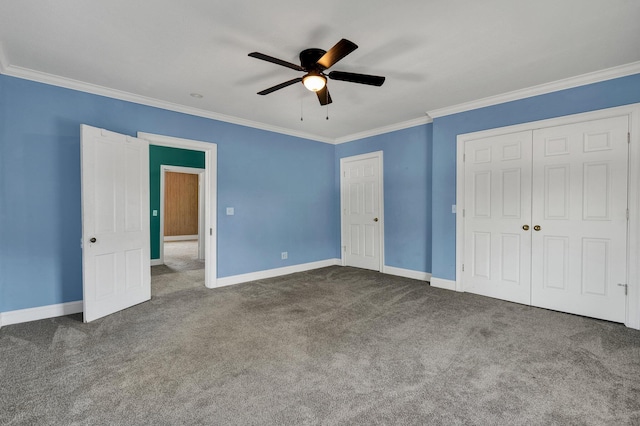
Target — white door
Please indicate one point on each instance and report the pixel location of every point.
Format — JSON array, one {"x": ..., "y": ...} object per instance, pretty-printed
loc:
[
  {"x": 579, "y": 214},
  {"x": 361, "y": 186},
  {"x": 115, "y": 222},
  {"x": 497, "y": 213}
]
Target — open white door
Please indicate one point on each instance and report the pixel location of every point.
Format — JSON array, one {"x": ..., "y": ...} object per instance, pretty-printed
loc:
[{"x": 115, "y": 222}]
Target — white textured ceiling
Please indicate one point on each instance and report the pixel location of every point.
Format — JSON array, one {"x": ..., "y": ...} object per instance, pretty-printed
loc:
[{"x": 434, "y": 53}]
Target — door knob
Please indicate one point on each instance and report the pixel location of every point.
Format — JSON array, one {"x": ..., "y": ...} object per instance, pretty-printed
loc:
[
  {"x": 375, "y": 219},
  {"x": 525, "y": 227},
  {"x": 93, "y": 240},
  {"x": 537, "y": 228}
]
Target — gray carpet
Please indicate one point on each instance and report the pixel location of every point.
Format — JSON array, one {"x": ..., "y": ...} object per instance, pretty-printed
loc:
[
  {"x": 333, "y": 346},
  {"x": 179, "y": 256}
]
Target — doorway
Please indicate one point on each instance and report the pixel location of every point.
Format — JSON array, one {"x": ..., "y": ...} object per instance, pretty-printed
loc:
[
  {"x": 182, "y": 217},
  {"x": 208, "y": 232}
]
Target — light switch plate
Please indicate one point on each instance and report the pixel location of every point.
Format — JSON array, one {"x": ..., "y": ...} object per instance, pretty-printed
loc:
[
  {"x": 453, "y": 208},
  {"x": 230, "y": 211},
  {"x": 155, "y": 212}
]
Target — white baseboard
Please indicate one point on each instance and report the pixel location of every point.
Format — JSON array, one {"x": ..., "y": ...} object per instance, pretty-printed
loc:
[
  {"x": 407, "y": 273},
  {"x": 41, "y": 312},
  {"x": 270, "y": 273},
  {"x": 181, "y": 237},
  {"x": 442, "y": 283},
  {"x": 156, "y": 262}
]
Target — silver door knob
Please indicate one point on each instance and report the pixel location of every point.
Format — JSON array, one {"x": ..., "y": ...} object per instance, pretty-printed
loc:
[{"x": 93, "y": 240}]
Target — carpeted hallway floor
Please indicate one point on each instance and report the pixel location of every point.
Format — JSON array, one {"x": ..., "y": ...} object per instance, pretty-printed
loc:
[
  {"x": 332, "y": 346},
  {"x": 179, "y": 256}
]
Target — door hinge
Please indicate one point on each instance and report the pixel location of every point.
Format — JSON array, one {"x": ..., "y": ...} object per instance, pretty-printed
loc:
[
  {"x": 628, "y": 137},
  {"x": 626, "y": 288},
  {"x": 462, "y": 212},
  {"x": 463, "y": 267},
  {"x": 344, "y": 249},
  {"x": 627, "y": 214},
  {"x": 464, "y": 157},
  {"x": 210, "y": 231}
]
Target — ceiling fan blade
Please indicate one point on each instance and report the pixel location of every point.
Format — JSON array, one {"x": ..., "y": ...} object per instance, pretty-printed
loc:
[
  {"x": 275, "y": 61},
  {"x": 323, "y": 96},
  {"x": 280, "y": 86},
  {"x": 337, "y": 52},
  {"x": 373, "y": 80}
]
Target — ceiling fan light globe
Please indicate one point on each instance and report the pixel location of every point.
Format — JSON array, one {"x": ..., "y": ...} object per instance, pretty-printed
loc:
[{"x": 314, "y": 82}]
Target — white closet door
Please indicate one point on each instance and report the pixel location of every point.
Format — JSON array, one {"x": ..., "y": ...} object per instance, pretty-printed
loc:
[
  {"x": 361, "y": 204},
  {"x": 579, "y": 202},
  {"x": 497, "y": 206}
]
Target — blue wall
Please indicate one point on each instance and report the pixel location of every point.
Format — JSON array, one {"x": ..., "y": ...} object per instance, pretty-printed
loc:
[
  {"x": 621, "y": 91},
  {"x": 285, "y": 190},
  {"x": 282, "y": 188},
  {"x": 407, "y": 193}
]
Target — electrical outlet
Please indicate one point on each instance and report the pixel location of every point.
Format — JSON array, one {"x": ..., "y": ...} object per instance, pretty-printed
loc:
[{"x": 284, "y": 255}]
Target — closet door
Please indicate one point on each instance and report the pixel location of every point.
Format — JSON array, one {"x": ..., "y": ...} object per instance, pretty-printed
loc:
[
  {"x": 579, "y": 232},
  {"x": 497, "y": 208}
]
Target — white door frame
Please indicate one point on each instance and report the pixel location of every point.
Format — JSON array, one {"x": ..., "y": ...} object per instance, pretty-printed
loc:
[
  {"x": 633, "y": 237},
  {"x": 210, "y": 197},
  {"x": 377, "y": 155},
  {"x": 201, "y": 214}
]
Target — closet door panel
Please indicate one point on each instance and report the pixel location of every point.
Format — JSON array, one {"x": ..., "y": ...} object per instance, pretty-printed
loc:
[
  {"x": 579, "y": 202},
  {"x": 497, "y": 205}
]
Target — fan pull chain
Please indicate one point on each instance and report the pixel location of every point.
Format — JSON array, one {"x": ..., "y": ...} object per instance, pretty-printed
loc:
[
  {"x": 301, "y": 111},
  {"x": 327, "y": 98}
]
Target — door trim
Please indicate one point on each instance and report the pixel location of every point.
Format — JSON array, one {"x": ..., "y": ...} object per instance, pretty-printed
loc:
[
  {"x": 379, "y": 156},
  {"x": 201, "y": 214},
  {"x": 633, "y": 198},
  {"x": 210, "y": 197}
]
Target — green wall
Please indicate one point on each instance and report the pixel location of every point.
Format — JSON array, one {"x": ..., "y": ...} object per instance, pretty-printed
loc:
[{"x": 158, "y": 156}]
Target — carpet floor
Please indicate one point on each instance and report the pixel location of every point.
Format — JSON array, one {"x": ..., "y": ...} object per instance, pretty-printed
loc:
[
  {"x": 179, "y": 256},
  {"x": 334, "y": 346}
]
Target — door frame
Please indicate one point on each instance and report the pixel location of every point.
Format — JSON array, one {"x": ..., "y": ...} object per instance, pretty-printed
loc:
[
  {"x": 379, "y": 156},
  {"x": 201, "y": 214},
  {"x": 633, "y": 196},
  {"x": 210, "y": 150}
]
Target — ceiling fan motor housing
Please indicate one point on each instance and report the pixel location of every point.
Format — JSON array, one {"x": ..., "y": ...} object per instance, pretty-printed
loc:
[{"x": 309, "y": 59}]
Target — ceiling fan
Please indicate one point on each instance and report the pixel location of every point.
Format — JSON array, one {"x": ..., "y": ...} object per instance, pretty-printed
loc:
[{"x": 314, "y": 62}]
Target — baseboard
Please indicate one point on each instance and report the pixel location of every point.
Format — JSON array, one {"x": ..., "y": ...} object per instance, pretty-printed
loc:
[
  {"x": 156, "y": 262},
  {"x": 270, "y": 273},
  {"x": 41, "y": 312},
  {"x": 181, "y": 238},
  {"x": 442, "y": 283},
  {"x": 406, "y": 273}
]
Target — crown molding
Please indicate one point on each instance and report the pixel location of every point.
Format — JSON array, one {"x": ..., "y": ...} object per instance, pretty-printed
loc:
[
  {"x": 68, "y": 83},
  {"x": 567, "y": 83},
  {"x": 385, "y": 129}
]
